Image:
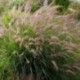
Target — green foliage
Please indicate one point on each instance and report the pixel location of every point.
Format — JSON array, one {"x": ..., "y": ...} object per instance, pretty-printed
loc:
[
  {"x": 76, "y": 9},
  {"x": 34, "y": 6},
  {"x": 63, "y": 3},
  {"x": 77, "y": 14},
  {"x": 3, "y": 6},
  {"x": 7, "y": 18},
  {"x": 16, "y": 3}
]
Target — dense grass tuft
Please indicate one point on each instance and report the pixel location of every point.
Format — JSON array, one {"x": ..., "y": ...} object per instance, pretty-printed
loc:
[{"x": 26, "y": 53}]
